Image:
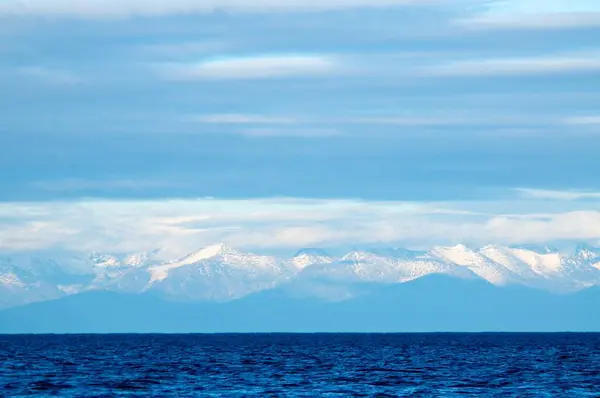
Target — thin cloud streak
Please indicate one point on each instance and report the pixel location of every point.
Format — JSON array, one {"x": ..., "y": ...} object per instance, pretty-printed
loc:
[
  {"x": 583, "y": 120},
  {"x": 232, "y": 118},
  {"x": 351, "y": 122},
  {"x": 517, "y": 66},
  {"x": 556, "y": 195},
  {"x": 98, "y": 9},
  {"x": 253, "y": 67},
  {"x": 539, "y": 21}
]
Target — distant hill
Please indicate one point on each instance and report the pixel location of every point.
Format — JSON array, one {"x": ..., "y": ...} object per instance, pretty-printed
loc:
[{"x": 430, "y": 303}]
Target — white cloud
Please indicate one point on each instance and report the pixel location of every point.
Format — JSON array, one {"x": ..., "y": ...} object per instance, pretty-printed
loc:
[
  {"x": 519, "y": 66},
  {"x": 253, "y": 67},
  {"x": 149, "y": 8},
  {"x": 535, "y": 14},
  {"x": 556, "y": 195},
  {"x": 431, "y": 119},
  {"x": 264, "y": 126},
  {"x": 583, "y": 225},
  {"x": 583, "y": 120},
  {"x": 457, "y": 119},
  {"x": 181, "y": 226},
  {"x": 533, "y": 7},
  {"x": 535, "y": 21}
]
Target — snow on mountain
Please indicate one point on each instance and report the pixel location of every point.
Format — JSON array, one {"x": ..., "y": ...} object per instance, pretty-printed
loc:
[
  {"x": 307, "y": 257},
  {"x": 506, "y": 258},
  {"x": 57, "y": 269},
  {"x": 581, "y": 268},
  {"x": 479, "y": 264},
  {"x": 122, "y": 272},
  {"x": 218, "y": 273},
  {"x": 18, "y": 287},
  {"x": 369, "y": 266},
  {"x": 141, "y": 259},
  {"x": 546, "y": 269},
  {"x": 161, "y": 272},
  {"x": 38, "y": 276},
  {"x": 582, "y": 251},
  {"x": 104, "y": 260},
  {"x": 590, "y": 254},
  {"x": 354, "y": 267},
  {"x": 49, "y": 265},
  {"x": 541, "y": 263},
  {"x": 223, "y": 273},
  {"x": 357, "y": 272},
  {"x": 108, "y": 260}
]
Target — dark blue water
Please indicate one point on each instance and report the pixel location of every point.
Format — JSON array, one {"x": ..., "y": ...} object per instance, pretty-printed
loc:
[{"x": 519, "y": 365}]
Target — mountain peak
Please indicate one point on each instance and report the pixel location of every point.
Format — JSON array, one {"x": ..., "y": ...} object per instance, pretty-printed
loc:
[
  {"x": 310, "y": 256},
  {"x": 310, "y": 251},
  {"x": 586, "y": 251},
  {"x": 207, "y": 252}
]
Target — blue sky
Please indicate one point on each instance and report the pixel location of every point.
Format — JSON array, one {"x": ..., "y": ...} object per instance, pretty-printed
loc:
[{"x": 290, "y": 123}]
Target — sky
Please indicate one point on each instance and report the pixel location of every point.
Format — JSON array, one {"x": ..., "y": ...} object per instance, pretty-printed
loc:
[{"x": 131, "y": 125}]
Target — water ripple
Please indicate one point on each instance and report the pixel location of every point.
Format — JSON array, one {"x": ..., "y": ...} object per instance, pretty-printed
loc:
[{"x": 519, "y": 365}]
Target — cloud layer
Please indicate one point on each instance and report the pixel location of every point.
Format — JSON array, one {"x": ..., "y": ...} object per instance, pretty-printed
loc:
[
  {"x": 429, "y": 111},
  {"x": 180, "y": 226}
]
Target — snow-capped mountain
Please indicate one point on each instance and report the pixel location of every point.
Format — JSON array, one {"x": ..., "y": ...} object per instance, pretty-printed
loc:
[
  {"x": 107, "y": 260},
  {"x": 368, "y": 266},
  {"x": 18, "y": 286},
  {"x": 218, "y": 273},
  {"x": 477, "y": 262},
  {"x": 222, "y": 273},
  {"x": 546, "y": 269},
  {"x": 308, "y": 257}
]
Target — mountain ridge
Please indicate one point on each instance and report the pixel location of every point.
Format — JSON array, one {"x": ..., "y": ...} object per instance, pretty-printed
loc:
[{"x": 222, "y": 273}]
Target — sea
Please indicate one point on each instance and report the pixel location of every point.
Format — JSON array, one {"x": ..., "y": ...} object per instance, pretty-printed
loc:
[{"x": 301, "y": 365}]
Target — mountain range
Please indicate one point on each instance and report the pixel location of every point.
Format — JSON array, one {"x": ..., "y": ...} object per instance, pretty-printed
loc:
[{"x": 224, "y": 285}]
